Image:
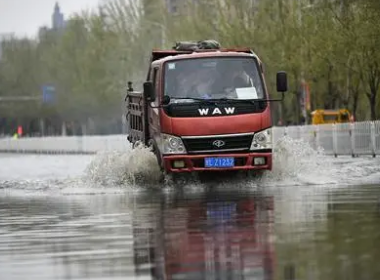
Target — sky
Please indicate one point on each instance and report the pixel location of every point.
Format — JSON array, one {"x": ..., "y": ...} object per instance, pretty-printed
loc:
[{"x": 24, "y": 17}]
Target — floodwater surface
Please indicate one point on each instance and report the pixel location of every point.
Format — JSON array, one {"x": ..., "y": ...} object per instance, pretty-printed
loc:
[
  {"x": 262, "y": 234},
  {"x": 106, "y": 217}
]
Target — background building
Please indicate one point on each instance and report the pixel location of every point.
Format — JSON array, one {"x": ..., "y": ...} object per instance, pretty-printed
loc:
[
  {"x": 57, "y": 18},
  {"x": 58, "y": 22}
]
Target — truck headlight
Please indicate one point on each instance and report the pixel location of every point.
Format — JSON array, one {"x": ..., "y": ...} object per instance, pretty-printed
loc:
[
  {"x": 262, "y": 140},
  {"x": 170, "y": 144}
]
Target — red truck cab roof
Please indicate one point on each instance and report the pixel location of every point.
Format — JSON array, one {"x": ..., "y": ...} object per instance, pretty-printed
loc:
[{"x": 160, "y": 56}]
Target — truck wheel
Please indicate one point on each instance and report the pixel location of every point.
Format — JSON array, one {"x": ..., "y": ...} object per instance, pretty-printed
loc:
[{"x": 156, "y": 152}]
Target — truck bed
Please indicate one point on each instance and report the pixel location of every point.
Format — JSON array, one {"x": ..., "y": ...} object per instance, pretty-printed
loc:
[{"x": 137, "y": 126}]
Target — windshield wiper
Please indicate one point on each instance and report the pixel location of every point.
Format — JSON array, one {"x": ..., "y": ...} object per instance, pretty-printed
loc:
[
  {"x": 253, "y": 101},
  {"x": 202, "y": 100}
]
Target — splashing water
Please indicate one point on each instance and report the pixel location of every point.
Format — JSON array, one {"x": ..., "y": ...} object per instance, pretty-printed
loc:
[
  {"x": 296, "y": 162},
  {"x": 135, "y": 166}
]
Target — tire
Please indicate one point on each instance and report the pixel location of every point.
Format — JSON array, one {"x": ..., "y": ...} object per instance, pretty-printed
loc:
[{"x": 156, "y": 152}]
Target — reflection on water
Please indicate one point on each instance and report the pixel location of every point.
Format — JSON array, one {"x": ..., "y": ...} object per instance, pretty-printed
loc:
[
  {"x": 208, "y": 238},
  {"x": 265, "y": 235}
]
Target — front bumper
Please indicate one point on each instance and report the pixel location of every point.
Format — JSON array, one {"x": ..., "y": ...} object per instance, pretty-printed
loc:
[{"x": 196, "y": 162}]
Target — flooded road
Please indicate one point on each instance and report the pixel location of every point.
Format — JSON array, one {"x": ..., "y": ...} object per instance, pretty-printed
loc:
[
  {"x": 79, "y": 217},
  {"x": 214, "y": 235}
]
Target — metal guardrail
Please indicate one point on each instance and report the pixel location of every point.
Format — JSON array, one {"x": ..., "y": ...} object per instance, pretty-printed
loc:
[{"x": 359, "y": 138}]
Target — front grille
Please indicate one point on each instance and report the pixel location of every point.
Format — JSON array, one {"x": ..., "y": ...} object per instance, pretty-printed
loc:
[{"x": 232, "y": 143}]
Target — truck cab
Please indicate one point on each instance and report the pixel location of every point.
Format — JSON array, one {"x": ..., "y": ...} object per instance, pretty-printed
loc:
[{"x": 205, "y": 109}]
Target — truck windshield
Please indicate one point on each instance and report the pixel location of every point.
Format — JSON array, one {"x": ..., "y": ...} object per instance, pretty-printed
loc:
[{"x": 213, "y": 78}]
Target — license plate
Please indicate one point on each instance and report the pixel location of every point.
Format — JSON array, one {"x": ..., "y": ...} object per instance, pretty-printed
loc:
[{"x": 220, "y": 162}]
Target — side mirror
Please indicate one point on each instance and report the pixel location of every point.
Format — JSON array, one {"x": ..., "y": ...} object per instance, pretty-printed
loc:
[
  {"x": 165, "y": 100},
  {"x": 149, "y": 91},
  {"x": 282, "y": 82}
]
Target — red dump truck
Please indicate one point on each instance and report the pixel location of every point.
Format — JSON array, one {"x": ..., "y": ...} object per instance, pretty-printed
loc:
[{"x": 204, "y": 108}]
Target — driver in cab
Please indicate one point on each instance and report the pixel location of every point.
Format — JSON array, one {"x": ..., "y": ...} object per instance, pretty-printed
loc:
[{"x": 211, "y": 83}]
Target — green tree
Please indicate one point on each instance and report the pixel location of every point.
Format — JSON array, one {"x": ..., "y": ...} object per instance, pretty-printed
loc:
[
  {"x": 330, "y": 45},
  {"x": 19, "y": 77}
]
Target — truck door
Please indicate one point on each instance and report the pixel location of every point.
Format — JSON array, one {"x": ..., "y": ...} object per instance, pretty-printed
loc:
[{"x": 153, "y": 113}]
